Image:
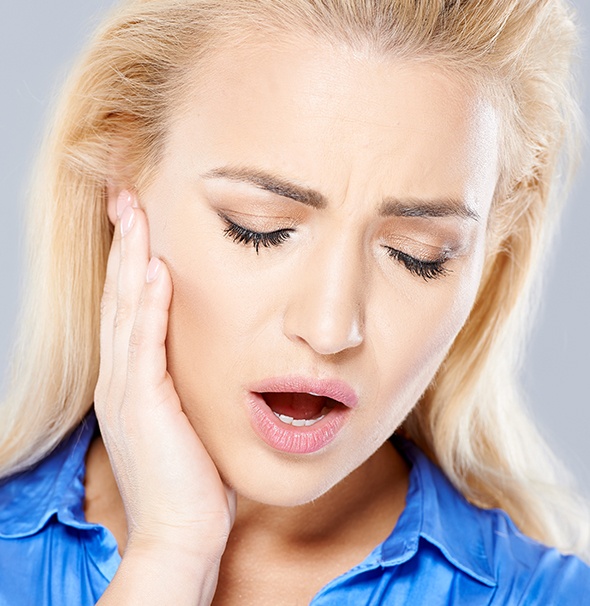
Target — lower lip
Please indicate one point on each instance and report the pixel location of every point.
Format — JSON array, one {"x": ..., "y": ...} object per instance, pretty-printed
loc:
[{"x": 294, "y": 440}]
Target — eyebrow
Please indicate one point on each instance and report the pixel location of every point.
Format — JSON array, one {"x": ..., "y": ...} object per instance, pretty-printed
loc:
[
  {"x": 390, "y": 206},
  {"x": 417, "y": 207}
]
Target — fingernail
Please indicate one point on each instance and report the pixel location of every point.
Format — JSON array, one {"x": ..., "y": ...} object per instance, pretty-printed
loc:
[
  {"x": 153, "y": 269},
  {"x": 124, "y": 200},
  {"x": 127, "y": 220}
]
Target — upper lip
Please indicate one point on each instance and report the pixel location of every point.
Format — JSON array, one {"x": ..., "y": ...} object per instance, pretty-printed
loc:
[{"x": 335, "y": 389}]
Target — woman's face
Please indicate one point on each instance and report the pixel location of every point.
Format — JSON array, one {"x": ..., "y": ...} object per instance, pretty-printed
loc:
[{"x": 374, "y": 179}]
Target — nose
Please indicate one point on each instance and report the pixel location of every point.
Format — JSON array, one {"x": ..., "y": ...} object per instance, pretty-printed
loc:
[{"x": 326, "y": 306}]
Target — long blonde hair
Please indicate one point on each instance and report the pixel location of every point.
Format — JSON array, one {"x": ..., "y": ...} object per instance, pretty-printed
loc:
[{"x": 471, "y": 419}]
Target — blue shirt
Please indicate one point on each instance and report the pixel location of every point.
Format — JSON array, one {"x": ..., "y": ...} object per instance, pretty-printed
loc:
[{"x": 443, "y": 551}]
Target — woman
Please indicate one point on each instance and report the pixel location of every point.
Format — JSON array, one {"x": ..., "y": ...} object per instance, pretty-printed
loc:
[{"x": 306, "y": 233}]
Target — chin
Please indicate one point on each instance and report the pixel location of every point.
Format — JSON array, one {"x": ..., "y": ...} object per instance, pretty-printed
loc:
[{"x": 281, "y": 483}]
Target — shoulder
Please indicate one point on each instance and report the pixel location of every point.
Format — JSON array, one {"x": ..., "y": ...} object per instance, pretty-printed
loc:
[
  {"x": 486, "y": 545},
  {"x": 48, "y": 551},
  {"x": 528, "y": 571},
  {"x": 52, "y": 487}
]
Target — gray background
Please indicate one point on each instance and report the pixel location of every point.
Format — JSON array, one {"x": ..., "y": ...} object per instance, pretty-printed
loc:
[{"x": 38, "y": 40}]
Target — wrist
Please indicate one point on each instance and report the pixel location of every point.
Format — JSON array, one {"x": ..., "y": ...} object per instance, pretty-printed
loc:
[
  {"x": 172, "y": 551},
  {"x": 205, "y": 540},
  {"x": 158, "y": 573}
]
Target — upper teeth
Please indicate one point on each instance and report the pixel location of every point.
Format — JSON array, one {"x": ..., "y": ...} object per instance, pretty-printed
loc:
[{"x": 302, "y": 422}]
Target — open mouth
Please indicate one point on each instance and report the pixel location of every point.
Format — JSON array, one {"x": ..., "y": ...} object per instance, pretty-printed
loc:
[
  {"x": 299, "y": 409},
  {"x": 299, "y": 415}
]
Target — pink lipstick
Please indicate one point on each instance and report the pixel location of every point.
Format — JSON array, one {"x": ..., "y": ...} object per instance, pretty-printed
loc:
[{"x": 299, "y": 415}]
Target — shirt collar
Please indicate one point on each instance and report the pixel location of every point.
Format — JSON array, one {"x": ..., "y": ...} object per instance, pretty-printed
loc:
[
  {"x": 436, "y": 512},
  {"x": 53, "y": 487}
]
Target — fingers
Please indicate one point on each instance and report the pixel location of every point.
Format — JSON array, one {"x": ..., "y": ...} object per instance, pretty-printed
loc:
[
  {"x": 125, "y": 283},
  {"x": 108, "y": 310},
  {"x": 147, "y": 343},
  {"x": 133, "y": 262}
]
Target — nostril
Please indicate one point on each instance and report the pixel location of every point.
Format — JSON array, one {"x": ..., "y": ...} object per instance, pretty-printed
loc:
[
  {"x": 326, "y": 311},
  {"x": 327, "y": 340}
]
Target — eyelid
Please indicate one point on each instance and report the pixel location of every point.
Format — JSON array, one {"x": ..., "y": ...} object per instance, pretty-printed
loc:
[
  {"x": 425, "y": 269},
  {"x": 423, "y": 250},
  {"x": 255, "y": 222},
  {"x": 245, "y": 236}
]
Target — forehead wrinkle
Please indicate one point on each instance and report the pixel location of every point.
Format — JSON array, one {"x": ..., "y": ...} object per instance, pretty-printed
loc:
[
  {"x": 270, "y": 183},
  {"x": 416, "y": 207},
  {"x": 390, "y": 206}
]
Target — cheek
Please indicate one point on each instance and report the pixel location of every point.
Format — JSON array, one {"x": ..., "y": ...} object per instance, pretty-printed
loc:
[
  {"x": 413, "y": 335},
  {"x": 208, "y": 316},
  {"x": 221, "y": 315}
]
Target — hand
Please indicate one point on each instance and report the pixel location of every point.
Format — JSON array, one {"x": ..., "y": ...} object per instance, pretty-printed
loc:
[{"x": 175, "y": 501}]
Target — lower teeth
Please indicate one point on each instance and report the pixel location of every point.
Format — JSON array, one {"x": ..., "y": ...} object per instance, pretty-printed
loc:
[{"x": 302, "y": 422}]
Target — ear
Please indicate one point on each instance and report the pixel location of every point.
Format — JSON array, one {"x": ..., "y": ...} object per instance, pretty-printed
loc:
[
  {"x": 120, "y": 177},
  {"x": 113, "y": 192},
  {"x": 118, "y": 198}
]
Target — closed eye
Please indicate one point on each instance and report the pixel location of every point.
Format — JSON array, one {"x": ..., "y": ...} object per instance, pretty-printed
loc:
[
  {"x": 245, "y": 236},
  {"x": 428, "y": 270}
]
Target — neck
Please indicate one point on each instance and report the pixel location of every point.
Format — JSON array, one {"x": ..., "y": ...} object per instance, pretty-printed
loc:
[
  {"x": 308, "y": 546},
  {"x": 359, "y": 512},
  {"x": 374, "y": 494}
]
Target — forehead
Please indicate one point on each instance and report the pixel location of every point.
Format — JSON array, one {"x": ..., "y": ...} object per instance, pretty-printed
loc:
[{"x": 329, "y": 114}]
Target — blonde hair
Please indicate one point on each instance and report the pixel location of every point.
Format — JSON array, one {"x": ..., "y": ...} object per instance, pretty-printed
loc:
[{"x": 471, "y": 419}]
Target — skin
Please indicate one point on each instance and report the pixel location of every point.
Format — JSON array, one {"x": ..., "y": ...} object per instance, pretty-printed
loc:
[{"x": 329, "y": 302}]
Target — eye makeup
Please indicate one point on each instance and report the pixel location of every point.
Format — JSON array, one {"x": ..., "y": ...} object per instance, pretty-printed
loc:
[
  {"x": 242, "y": 235},
  {"x": 427, "y": 269}
]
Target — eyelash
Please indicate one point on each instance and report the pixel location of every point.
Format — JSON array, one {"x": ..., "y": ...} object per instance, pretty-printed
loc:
[
  {"x": 428, "y": 270},
  {"x": 241, "y": 235}
]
